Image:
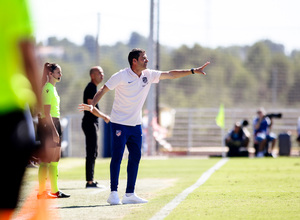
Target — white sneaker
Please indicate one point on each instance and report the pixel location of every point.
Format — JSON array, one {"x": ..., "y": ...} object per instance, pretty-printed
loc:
[
  {"x": 113, "y": 198},
  {"x": 133, "y": 199}
]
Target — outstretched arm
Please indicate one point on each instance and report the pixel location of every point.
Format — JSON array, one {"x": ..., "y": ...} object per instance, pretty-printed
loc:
[
  {"x": 91, "y": 104},
  {"x": 94, "y": 111},
  {"x": 174, "y": 74}
]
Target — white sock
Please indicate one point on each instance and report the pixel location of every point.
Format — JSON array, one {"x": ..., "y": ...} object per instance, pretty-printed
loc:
[{"x": 129, "y": 194}]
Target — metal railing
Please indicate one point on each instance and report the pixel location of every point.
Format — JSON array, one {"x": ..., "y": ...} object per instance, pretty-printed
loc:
[{"x": 193, "y": 129}]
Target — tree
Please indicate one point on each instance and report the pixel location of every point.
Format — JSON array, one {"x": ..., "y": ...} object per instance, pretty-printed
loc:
[
  {"x": 238, "y": 76},
  {"x": 137, "y": 41},
  {"x": 90, "y": 44}
]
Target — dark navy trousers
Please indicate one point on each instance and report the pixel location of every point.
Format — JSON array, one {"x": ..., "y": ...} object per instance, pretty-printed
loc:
[{"x": 132, "y": 137}]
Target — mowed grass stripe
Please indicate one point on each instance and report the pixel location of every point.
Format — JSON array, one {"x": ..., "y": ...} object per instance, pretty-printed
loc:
[
  {"x": 243, "y": 188},
  {"x": 183, "y": 172},
  {"x": 167, "y": 209},
  {"x": 158, "y": 181},
  {"x": 246, "y": 188}
]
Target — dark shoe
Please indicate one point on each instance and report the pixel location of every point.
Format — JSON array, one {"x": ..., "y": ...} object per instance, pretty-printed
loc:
[
  {"x": 46, "y": 195},
  {"x": 268, "y": 155},
  {"x": 92, "y": 185},
  {"x": 32, "y": 164},
  {"x": 60, "y": 194}
]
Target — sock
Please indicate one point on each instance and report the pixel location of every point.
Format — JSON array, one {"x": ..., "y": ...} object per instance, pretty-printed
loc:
[
  {"x": 53, "y": 175},
  {"x": 129, "y": 194},
  {"x": 42, "y": 176}
]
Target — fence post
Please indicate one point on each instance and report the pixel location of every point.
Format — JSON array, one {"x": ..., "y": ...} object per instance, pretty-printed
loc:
[
  {"x": 68, "y": 136},
  {"x": 190, "y": 132}
]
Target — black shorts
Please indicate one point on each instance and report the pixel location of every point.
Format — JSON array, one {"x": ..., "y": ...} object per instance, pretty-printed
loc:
[
  {"x": 45, "y": 131},
  {"x": 18, "y": 145}
]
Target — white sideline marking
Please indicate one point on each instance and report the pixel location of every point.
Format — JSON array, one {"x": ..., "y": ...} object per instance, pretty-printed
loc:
[
  {"x": 167, "y": 209},
  {"x": 96, "y": 191}
]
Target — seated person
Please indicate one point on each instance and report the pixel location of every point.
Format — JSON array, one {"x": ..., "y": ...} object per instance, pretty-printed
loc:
[
  {"x": 237, "y": 141},
  {"x": 262, "y": 135}
]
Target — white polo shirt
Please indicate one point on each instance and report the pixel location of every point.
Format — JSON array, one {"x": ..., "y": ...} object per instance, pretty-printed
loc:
[{"x": 130, "y": 94}]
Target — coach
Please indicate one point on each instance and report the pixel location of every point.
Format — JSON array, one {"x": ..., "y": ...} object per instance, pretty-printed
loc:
[{"x": 131, "y": 86}]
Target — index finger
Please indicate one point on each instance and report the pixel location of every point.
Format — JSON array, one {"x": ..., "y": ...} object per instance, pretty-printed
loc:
[{"x": 204, "y": 65}]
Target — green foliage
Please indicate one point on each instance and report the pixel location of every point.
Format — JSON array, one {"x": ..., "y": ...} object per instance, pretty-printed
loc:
[{"x": 237, "y": 76}]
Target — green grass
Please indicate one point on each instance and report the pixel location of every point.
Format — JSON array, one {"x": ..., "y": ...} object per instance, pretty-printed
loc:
[
  {"x": 243, "y": 188},
  {"x": 247, "y": 189}
]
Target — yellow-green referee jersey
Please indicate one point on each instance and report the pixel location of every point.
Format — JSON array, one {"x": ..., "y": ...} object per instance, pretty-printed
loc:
[{"x": 50, "y": 97}]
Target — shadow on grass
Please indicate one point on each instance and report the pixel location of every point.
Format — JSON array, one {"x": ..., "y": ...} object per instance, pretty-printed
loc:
[
  {"x": 83, "y": 188},
  {"x": 80, "y": 207}
]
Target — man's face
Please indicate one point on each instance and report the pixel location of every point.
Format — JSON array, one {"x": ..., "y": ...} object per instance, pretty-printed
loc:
[
  {"x": 260, "y": 114},
  {"x": 237, "y": 129},
  {"x": 98, "y": 76},
  {"x": 142, "y": 61}
]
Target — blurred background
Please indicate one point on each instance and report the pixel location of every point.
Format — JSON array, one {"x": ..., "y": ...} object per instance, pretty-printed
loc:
[{"x": 253, "y": 47}]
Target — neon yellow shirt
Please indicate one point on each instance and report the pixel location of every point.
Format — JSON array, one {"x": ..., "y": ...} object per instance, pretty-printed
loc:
[
  {"x": 50, "y": 97},
  {"x": 15, "y": 25}
]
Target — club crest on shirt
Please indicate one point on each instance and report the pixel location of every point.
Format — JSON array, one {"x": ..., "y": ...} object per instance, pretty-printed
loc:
[
  {"x": 118, "y": 133},
  {"x": 145, "y": 80}
]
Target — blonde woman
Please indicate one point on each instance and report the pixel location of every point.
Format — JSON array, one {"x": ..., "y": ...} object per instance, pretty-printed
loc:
[{"x": 50, "y": 133}]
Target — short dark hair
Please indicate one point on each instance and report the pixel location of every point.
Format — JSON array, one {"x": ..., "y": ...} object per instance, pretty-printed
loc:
[{"x": 134, "y": 54}]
